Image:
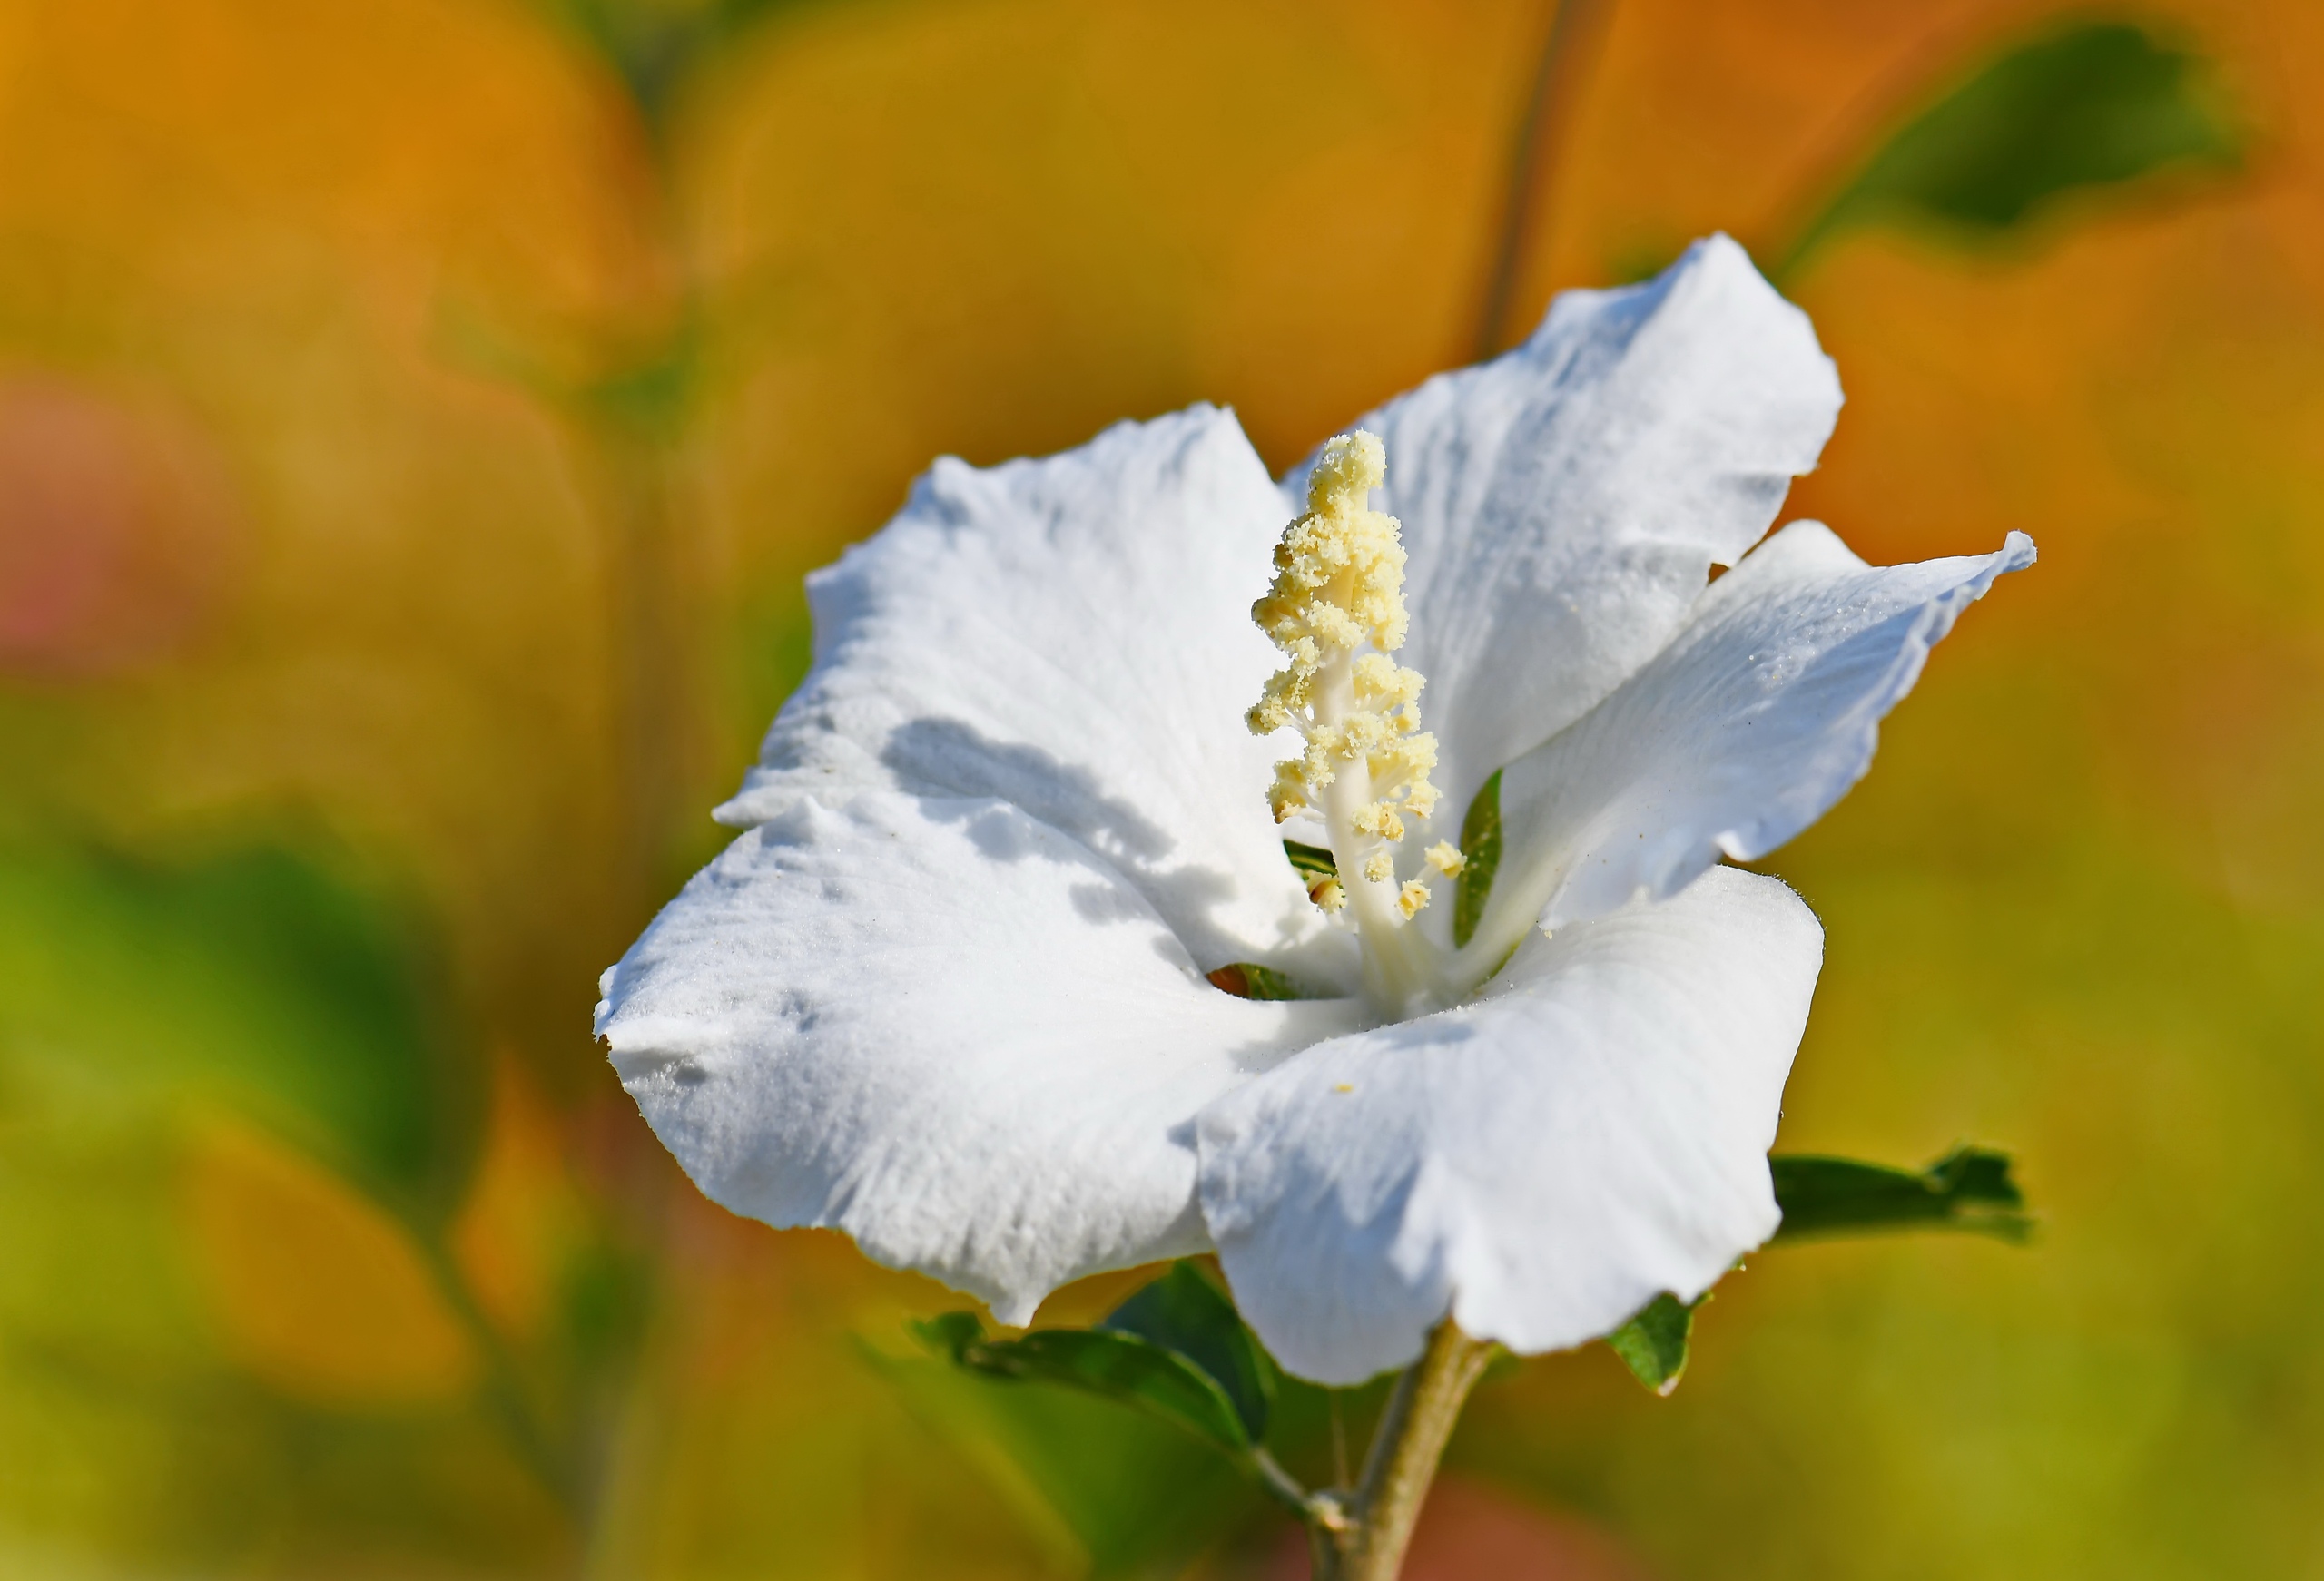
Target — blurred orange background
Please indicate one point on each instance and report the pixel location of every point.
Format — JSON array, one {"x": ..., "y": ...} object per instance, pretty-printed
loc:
[{"x": 415, "y": 418}]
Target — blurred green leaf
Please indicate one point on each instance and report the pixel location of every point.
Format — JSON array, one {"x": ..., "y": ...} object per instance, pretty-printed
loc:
[
  {"x": 2097, "y": 105},
  {"x": 1124, "y": 1492},
  {"x": 1120, "y": 1367},
  {"x": 950, "y": 1334},
  {"x": 654, "y": 44},
  {"x": 605, "y": 1292},
  {"x": 652, "y": 395},
  {"x": 253, "y": 977},
  {"x": 1653, "y": 1343},
  {"x": 1480, "y": 845},
  {"x": 1969, "y": 1188},
  {"x": 1184, "y": 1314}
]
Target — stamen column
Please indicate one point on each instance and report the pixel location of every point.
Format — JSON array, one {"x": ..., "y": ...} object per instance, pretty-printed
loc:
[{"x": 1338, "y": 588}]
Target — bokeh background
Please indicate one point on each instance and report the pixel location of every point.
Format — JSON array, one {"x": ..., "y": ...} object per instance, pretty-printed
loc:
[{"x": 415, "y": 417}]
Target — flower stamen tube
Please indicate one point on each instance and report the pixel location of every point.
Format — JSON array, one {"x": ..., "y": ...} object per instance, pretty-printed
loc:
[{"x": 1336, "y": 610}]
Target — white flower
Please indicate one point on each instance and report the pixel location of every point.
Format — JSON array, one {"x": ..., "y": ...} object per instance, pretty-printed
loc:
[{"x": 948, "y": 991}]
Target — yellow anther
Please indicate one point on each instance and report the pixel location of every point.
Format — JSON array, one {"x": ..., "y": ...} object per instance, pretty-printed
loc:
[
  {"x": 1328, "y": 894},
  {"x": 1383, "y": 683},
  {"x": 1411, "y": 896},
  {"x": 1445, "y": 858},
  {"x": 1339, "y": 586}
]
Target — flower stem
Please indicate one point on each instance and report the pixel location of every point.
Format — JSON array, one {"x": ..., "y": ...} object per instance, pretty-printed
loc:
[
  {"x": 1574, "y": 32},
  {"x": 1368, "y": 1543},
  {"x": 504, "y": 1386}
]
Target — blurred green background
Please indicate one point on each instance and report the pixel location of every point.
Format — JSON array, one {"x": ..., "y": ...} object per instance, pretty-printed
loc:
[{"x": 415, "y": 417}]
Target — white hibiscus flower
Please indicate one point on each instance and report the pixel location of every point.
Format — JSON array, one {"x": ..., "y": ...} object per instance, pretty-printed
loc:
[{"x": 953, "y": 991}]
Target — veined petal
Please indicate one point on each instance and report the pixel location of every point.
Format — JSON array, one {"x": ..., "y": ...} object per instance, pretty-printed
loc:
[
  {"x": 1759, "y": 715},
  {"x": 944, "y": 1027},
  {"x": 1540, "y": 1162},
  {"x": 1563, "y": 504},
  {"x": 1073, "y": 635}
]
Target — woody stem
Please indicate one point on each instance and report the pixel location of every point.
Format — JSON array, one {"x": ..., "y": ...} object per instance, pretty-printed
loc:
[{"x": 1368, "y": 1543}]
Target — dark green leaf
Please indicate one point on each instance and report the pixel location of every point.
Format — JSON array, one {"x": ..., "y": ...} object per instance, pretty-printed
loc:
[
  {"x": 1313, "y": 861},
  {"x": 605, "y": 1294},
  {"x": 1184, "y": 1314},
  {"x": 1969, "y": 1188},
  {"x": 254, "y": 976},
  {"x": 1481, "y": 846},
  {"x": 656, "y": 46},
  {"x": 950, "y": 1334},
  {"x": 2097, "y": 105},
  {"x": 1120, "y": 1367},
  {"x": 1108, "y": 1491},
  {"x": 1653, "y": 1343}
]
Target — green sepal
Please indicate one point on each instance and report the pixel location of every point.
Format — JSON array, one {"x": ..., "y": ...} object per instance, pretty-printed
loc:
[
  {"x": 1969, "y": 1188},
  {"x": 1653, "y": 1343},
  {"x": 1119, "y": 1367},
  {"x": 1249, "y": 980},
  {"x": 2095, "y": 103},
  {"x": 1311, "y": 861},
  {"x": 1184, "y": 1314},
  {"x": 1480, "y": 854}
]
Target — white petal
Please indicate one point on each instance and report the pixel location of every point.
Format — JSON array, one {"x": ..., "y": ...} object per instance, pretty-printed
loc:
[
  {"x": 1073, "y": 635},
  {"x": 944, "y": 1028},
  {"x": 1563, "y": 504},
  {"x": 1759, "y": 715},
  {"x": 1540, "y": 1162}
]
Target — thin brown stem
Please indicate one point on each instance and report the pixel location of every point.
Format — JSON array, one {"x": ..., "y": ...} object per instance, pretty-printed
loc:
[
  {"x": 1572, "y": 34},
  {"x": 1369, "y": 1544},
  {"x": 504, "y": 1386}
]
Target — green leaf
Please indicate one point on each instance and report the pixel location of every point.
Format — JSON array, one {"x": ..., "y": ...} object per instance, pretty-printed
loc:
[
  {"x": 1313, "y": 861},
  {"x": 2097, "y": 105},
  {"x": 1106, "y": 1491},
  {"x": 1653, "y": 1343},
  {"x": 950, "y": 1334},
  {"x": 1120, "y": 1367},
  {"x": 1969, "y": 1188},
  {"x": 255, "y": 977},
  {"x": 1184, "y": 1314},
  {"x": 650, "y": 395},
  {"x": 1481, "y": 846},
  {"x": 656, "y": 46}
]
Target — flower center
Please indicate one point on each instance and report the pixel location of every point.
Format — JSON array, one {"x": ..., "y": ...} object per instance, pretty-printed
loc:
[{"x": 1336, "y": 609}]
